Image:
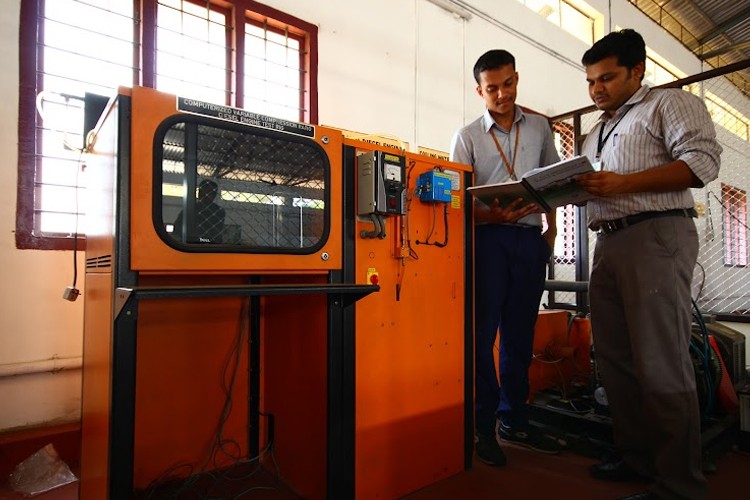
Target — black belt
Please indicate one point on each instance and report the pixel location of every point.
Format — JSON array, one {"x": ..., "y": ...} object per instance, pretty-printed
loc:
[{"x": 610, "y": 226}]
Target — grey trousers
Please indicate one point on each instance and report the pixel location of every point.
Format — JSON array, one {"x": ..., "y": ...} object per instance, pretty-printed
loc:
[{"x": 641, "y": 323}]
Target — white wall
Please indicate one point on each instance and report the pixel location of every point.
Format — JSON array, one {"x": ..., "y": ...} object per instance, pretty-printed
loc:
[
  {"x": 396, "y": 67},
  {"x": 35, "y": 322}
]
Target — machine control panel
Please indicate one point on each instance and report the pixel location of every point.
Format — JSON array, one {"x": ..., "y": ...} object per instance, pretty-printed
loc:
[{"x": 381, "y": 183}]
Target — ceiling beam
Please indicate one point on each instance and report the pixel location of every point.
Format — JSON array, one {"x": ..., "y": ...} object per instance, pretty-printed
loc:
[
  {"x": 724, "y": 50},
  {"x": 723, "y": 27}
]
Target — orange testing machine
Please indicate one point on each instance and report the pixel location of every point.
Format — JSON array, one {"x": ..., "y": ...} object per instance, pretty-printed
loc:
[{"x": 265, "y": 294}]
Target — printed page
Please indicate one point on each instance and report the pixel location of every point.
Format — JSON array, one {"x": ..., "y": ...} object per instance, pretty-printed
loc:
[{"x": 556, "y": 183}]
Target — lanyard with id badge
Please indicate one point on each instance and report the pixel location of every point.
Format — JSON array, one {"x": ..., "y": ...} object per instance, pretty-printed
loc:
[{"x": 598, "y": 166}]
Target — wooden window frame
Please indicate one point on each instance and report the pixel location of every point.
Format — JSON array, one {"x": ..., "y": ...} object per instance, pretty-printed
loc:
[{"x": 31, "y": 40}]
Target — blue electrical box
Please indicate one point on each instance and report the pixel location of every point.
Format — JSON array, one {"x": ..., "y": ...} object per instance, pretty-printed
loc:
[{"x": 434, "y": 186}]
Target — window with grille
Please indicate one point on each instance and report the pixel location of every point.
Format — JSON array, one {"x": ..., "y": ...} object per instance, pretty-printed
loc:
[
  {"x": 193, "y": 50},
  {"x": 565, "y": 243},
  {"x": 565, "y": 15},
  {"x": 734, "y": 213},
  {"x": 238, "y": 53}
]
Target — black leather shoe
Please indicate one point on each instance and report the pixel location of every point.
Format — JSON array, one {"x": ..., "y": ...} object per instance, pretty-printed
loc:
[
  {"x": 644, "y": 495},
  {"x": 488, "y": 451},
  {"x": 614, "y": 471}
]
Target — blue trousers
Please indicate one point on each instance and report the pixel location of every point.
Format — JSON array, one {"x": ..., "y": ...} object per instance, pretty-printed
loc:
[{"x": 510, "y": 265}]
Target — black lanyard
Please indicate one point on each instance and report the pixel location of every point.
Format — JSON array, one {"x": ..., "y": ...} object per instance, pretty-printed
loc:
[{"x": 603, "y": 138}]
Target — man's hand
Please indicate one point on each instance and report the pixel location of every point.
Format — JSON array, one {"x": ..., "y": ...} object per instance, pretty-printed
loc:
[
  {"x": 496, "y": 214},
  {"x": 603, "y": 183},
  {"x": 673, "y": 176}
]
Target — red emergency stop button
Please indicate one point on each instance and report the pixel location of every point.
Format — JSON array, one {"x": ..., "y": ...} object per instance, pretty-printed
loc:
[{"x": 374, "y": 279}]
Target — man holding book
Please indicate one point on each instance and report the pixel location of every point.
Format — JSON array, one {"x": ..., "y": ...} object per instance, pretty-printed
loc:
[
  {"x": 653, "y": 146},
  {"x": 511, "y": 254}
]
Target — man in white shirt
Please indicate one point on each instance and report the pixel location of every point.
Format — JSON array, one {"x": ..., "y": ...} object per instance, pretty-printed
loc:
[
  {"x": 510, "y": 255},
  {"x": 652, "y": 146}
]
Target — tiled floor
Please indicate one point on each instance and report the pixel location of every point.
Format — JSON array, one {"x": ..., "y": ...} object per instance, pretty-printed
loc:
[{"x": 528, "y": 475}]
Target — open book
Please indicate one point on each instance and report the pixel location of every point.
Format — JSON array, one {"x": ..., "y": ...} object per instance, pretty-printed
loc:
[{"x": 549, "y": 187}]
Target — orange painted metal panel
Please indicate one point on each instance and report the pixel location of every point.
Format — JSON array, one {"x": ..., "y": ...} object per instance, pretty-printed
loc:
[
  {"x": 150, "y": 253},
  {"x": 409, "y": 336},
  {"x": 560, "y": 355},
  {"x": 96, "y": 387},
  {"x": 98, "y": 321},
  {"x": 410, "y": 345},
  {"x": 294, "y": 369},
  {"x": 100, "y": 189},
  {"x": 183, "y": 345}
]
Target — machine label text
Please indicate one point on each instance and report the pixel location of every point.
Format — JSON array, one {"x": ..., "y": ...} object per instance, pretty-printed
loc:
[{"x": 243, "y": 116}]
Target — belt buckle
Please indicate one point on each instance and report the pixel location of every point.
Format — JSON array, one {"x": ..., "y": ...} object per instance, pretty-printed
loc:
[{"x": 609, "y": 226}]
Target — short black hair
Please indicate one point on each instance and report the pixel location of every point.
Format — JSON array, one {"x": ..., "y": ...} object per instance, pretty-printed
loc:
[
  {"x": 627, "y": 45},
  {"x": 493, "y": 59},
  {"x": 208, "y": 190},
  {"x": 208, "y": 184}
]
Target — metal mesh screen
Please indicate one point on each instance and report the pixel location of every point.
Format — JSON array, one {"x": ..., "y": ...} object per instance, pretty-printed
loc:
[
  {"x": 244, "y": 190},
  {"x": 721, "y": 283}
]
